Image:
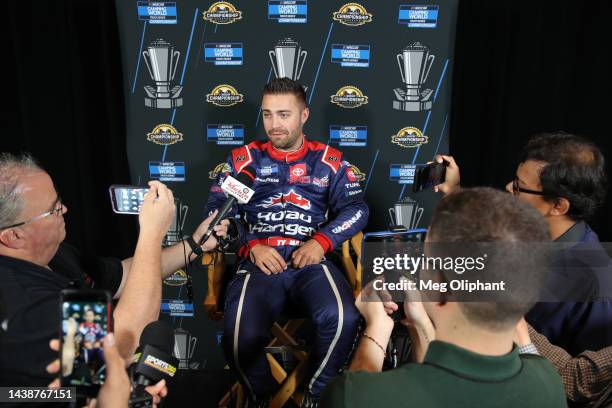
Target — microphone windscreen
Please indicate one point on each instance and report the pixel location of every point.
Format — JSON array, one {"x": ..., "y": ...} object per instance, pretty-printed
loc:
[{"x": 159, "y": 334}]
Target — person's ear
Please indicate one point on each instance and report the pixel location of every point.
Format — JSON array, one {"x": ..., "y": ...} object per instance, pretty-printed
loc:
[
  {"x": 12, "y": 238},
  {"x": 305, "y": 114},
  {"x": 560, "y": 207}
]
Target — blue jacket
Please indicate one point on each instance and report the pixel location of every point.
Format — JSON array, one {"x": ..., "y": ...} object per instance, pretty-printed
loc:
[
  {"x": 309, "y": 193},
  {"x": 582, "y": 279}
]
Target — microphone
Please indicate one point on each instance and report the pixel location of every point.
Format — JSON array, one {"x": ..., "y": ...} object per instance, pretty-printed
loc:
[
  {"x": 154, "y": 361},
  {"x": 237, "y": 189}
]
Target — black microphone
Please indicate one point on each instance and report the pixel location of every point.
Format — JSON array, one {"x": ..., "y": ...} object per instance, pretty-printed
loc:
[
  {"x": 237, "y": 189},
  {"x": 154, "y": 361}
]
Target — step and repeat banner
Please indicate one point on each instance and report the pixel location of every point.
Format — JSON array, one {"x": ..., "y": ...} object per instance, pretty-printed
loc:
[{"x": 378, "y": 80}]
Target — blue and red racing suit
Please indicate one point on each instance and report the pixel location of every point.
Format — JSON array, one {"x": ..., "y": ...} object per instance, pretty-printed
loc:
[{"x": 311, "y": 193}]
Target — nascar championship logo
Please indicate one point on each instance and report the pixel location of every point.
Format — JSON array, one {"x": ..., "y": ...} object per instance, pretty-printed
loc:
[
  {"x": 409, "y": 137},
  {"x": 352, "y": 14},
  {"x": 224, "y": 96},
  {"x": 164, "y": 134},
  {"x": 349, "y": 97},
  {"x": 219, "y": 168},
  {"x": 222, "y": 12},
  {"x": 178, "y": 278}
]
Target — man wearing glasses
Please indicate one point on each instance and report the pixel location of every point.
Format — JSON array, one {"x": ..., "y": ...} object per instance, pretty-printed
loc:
[
  {"x": 35, "y": 265},
  {"x": 563, "y": 177}
]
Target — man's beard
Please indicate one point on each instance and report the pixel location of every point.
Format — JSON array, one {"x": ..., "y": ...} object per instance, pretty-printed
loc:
[{"x": 287, "y": 143}]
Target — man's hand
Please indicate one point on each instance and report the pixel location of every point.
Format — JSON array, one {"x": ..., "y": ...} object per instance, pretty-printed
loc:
[
  {"x": 521, "y": 333},
  {"x": 267, "y": 259},
  {"x": 116, "y": 389},
  {"x": 157, "y": 211},
  {"x": 310, "y": 253},
  {"x": 54, "y": 366},
  {"x": 220, "y": 231},
  {"x": 452, "y": 179},
  {"x": 375, "y": 306}
]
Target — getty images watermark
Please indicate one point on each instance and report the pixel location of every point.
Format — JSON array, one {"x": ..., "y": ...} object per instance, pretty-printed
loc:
[{"x": 482, "y": 271}]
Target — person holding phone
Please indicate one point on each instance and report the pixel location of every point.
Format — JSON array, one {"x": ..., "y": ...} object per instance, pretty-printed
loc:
[{"x": 35, "y": 265}]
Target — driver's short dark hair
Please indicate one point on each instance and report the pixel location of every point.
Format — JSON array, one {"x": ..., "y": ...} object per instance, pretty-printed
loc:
[
  {"x": 279, "y": 86},
  {"x": 574, "y": 170}
]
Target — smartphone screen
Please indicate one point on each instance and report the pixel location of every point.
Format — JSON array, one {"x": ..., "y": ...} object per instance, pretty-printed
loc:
[
  {"x": 127, "y": 199},
  {"x": 429, "y": 176},
  {"x": 86, "y": 319}
]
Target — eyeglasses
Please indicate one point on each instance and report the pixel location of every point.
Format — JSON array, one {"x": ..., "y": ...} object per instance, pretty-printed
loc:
[
  {"x": 57, "y": 209},
  {"x": 516, "y": 189}
]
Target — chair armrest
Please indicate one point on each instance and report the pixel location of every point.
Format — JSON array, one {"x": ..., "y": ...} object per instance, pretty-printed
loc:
[
  {"x": 215, "y": 263},
  {"x": 353, "y": 267}
]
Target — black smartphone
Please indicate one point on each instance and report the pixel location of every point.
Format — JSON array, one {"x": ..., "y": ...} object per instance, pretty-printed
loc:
[
  {"x": 428, "y": 176},
  {"x": 127, "y": 199},
  {"x": 86, "y": 317}
]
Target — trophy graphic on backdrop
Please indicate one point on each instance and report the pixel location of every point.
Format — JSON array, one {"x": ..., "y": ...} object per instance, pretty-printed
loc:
[
  {"x": 162, "y": 60},
  {"x": 406, "y": 213},
  {"x": 414, "y": 62},
  {"x": 184, "y": 346},
  {"x": 287, "y": 59}
]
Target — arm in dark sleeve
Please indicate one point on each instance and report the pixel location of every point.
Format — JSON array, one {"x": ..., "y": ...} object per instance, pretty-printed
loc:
[
  {"x": 585, "y": 376},
  {"x": 349, "y": 210}
]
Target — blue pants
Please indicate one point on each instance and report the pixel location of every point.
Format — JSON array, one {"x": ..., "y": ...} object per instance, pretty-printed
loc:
[{"x": 254, "y": 301}]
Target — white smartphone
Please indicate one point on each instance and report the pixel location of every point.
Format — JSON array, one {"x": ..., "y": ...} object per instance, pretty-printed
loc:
[{"x": 127, "y": 199}]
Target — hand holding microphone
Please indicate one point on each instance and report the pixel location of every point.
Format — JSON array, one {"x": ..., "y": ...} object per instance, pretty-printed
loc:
[{"x": 238, "y": 190}]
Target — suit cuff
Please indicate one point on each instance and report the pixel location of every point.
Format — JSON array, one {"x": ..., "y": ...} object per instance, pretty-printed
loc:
[{"x": 324, "y": 241}]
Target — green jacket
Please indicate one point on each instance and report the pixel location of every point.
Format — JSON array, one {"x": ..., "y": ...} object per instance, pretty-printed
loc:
[{"x": 453, "y": 377}]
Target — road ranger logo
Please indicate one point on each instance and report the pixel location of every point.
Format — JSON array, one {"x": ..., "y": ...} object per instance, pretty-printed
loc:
[
  {"x": 349, "y": 97},
  {"x": 281, "y": 200},
  {"x": 409, "y": 137},
  {"x": 160, "y": 365},
  {"x": 352, "y": 14},
  {"x": 164, "y": 134},
  {"x": 222, "y": 12},
  {"x": 224, "y": 95}
]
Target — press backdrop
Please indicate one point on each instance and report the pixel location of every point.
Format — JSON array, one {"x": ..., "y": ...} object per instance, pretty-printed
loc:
[{"x": 193, "y": 73}]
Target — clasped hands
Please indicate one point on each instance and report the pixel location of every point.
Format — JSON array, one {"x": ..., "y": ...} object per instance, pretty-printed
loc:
[{"x": 270, "y": 262}]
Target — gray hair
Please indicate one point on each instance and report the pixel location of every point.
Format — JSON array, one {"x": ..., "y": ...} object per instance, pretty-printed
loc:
[{"x": 11, "y": 168}]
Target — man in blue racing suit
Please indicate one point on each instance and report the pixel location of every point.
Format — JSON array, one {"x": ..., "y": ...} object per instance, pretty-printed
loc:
[{"x": 307, "y": 201}]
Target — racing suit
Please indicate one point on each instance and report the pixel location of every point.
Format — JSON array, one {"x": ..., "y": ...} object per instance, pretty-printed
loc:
[{"x": 307, "y": 194}]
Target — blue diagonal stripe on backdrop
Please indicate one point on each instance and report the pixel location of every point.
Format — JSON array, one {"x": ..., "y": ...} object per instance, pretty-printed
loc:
[
  {"x": 371, "y": 171},
  {"x": 314, "y": 84},
  {"x": 144, "y": 29},
  {"x": 195, "y": 15},
  {"x": 200, "y": 57},
  {"x": 416, "y": 153},
  {"x": 441, "y": 135},
  {"x": 259, "y": 112}
]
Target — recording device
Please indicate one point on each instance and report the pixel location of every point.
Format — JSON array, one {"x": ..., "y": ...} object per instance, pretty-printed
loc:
[
  {"x": 237, "y": 189},
  {"x": 428, "y": 176},
  {"x": 127, "y": 199},
  {"x": 86, "y": 318},
  {"x": 153, "y": 361}
]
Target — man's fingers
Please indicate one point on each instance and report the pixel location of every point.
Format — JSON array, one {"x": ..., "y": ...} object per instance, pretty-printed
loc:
[
  {"x": 53, "y": 367},
  {"x": 54, "y": 345},
  {"x": 273, "y": 264},
  {"x": 263, "y": 268},
  {"x": 111, "y": 355},
  {"x": 280, "y": 259},
  {"x": 296, "y": 257},
  {"x": 54, "y": 384}
]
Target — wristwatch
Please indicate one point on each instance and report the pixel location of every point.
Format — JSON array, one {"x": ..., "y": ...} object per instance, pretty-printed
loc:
[{"x": 195, "y": 248}]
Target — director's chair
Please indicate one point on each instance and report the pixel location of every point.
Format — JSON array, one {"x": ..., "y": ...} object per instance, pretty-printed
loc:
[{"x": 284, "y": 340}]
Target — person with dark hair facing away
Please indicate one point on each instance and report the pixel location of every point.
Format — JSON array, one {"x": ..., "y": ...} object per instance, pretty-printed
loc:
[
  {"x": 563, "y": 176},
  {"x": 307, "y": 201},
  {"x": 464, "y": 350}
]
